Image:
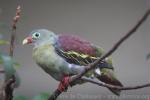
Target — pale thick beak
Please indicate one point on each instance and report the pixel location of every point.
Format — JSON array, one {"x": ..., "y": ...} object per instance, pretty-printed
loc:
[
  {"x": 24, "y": 42},
  {"x": 27, "y": 40}
]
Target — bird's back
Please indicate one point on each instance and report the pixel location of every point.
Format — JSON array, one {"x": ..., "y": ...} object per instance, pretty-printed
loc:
[{"x": 74, "y": 43}]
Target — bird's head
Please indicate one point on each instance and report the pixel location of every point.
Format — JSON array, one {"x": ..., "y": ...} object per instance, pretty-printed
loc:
[{"x": 40, "y": 36}]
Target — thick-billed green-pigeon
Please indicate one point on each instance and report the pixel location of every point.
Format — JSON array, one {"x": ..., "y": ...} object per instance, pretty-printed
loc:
[{"x": 62, "y": 56}]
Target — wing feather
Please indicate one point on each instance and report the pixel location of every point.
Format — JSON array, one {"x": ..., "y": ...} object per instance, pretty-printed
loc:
[
  {"x": 78, "y": 51},
  {"x": 75, "y": 58}
]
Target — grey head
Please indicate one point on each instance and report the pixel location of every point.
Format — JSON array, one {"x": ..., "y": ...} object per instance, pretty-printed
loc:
[{"x": 40, "y": 36}]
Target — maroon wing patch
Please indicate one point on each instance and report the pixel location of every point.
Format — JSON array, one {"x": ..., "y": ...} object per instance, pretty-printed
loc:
[{"x": 75, "y": 43}]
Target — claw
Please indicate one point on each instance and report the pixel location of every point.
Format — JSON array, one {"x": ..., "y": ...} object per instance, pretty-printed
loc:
[{"x": 64, "y": 83}]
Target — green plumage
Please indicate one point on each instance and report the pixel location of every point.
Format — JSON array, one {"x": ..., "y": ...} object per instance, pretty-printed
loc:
[{"x": 49, "y": 61}]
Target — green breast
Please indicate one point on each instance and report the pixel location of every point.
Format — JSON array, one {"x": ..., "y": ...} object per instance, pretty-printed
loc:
[{"x": 46, "y": 58}]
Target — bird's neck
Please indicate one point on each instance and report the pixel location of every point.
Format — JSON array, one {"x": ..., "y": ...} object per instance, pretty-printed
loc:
[
  {"x": 39, "y": 44},
  {"x": 51, "y": 41}
]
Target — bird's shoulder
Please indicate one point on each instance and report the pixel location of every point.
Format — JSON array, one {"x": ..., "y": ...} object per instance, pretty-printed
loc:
[{"x": 72, "y": 43}]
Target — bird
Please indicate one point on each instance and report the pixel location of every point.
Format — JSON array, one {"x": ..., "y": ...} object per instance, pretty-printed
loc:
[{"x": 64, "y": 55}]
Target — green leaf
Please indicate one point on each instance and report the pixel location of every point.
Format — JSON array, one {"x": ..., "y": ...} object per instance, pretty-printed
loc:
[
  {"x": 8, "y": 63},
  {"x": 18, "y": 80},
  {"x": 4, "y": 42},
  {"x": 8, "y": 66},
  {"x": 20, "y": 98},
  {"x": 1, "y": 60},
  {"x": 16, "y": 65},
  {"x": 42, "y": 96}
]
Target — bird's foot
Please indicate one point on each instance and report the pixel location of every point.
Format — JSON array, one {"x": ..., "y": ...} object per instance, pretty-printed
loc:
[{"x": 64, "y": 83}]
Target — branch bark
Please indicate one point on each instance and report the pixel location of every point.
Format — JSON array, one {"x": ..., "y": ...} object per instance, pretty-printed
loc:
[
  {"x": 10, "y": 83},
  {"x": 13, "y": 34},
  {"x": 112, "y": 50},
  {"x": 112, "y": 86}
]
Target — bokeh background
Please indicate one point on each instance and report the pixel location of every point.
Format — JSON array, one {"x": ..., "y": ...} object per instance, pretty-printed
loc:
[{"x": 102, "y": 22}]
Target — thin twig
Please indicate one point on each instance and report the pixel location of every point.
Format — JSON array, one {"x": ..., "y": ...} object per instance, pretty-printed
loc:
[
  {"x": 114, "y": 87},
  {"x": 112, "y": 50},
  {"x": 13, "y": 35},
  {"x": 9, "y": 84}
]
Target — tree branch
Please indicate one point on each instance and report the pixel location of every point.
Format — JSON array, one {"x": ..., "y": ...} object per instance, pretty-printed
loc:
[
  {"x": 112, "y": 50},
  {"x": 9, "y": 84},
  {"x": 112, "y": 86}
]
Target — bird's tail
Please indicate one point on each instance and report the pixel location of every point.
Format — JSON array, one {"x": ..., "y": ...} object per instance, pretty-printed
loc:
[{"x": 107, "y": 76}]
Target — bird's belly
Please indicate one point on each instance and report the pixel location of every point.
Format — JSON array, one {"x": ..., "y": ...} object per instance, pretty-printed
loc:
[{"x": 52, "y": 70}]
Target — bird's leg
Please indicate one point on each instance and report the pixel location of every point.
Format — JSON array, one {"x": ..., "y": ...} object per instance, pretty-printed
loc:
[{"x": 64, "y": 83}]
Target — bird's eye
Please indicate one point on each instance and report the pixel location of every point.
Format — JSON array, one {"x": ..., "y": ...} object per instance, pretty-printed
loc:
[{"x": 36, "y": 35}]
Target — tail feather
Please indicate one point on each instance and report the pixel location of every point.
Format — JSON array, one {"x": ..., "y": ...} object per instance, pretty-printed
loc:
[
  {"x": 116, "y": 91},
  {"x": 115, "y": 82}
]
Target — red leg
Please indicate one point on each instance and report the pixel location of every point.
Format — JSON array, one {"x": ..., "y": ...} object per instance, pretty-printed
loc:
[{"x": 64, "y": 83}]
